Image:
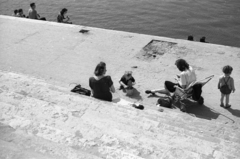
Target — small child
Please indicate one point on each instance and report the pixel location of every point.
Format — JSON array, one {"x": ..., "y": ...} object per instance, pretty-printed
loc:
[
  {"x": 226, "y": 85},
  {"x": 127, "y": 80}
]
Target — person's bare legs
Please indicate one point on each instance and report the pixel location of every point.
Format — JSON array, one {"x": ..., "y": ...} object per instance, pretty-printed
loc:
[
  {"x": 162, "y": 91},
  {"x": 221, "y": 100},
  {"x": 227, "y": 100}
]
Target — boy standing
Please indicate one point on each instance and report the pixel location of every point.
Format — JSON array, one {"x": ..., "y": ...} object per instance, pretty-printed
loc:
[{"x": 226, "y": 85}]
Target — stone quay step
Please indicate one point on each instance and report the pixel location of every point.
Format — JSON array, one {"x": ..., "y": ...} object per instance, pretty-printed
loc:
[
  {"x": 22, "y": 145},
  {"x": 109, "y": 130},
  {"x": 56, "y": 95}
]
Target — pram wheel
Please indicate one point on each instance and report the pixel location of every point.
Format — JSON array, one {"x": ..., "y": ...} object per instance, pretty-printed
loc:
[{"x": 200, "y": 100}]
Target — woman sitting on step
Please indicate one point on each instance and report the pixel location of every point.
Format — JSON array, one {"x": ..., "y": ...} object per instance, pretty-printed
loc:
[
  {"x": 101, "y": 85},
  {"x": 186, "y": 77}
]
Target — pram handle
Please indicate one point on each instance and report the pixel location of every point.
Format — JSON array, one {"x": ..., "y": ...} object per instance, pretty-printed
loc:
[
  {"x": 208, "y": 77},
  {"x": 200, "y": 81}
]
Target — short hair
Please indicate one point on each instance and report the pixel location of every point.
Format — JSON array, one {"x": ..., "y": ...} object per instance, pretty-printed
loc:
[
  {"x": 63, "y": 11},
  {"x": 190, "y": 38},
  {"x": 20, "y": 10},
  {"x": 202, "y": 39},
  {"x": 100, "y": 69},
  {"x": 227, "y": 69},
  {"x": 182, "y": 64},
  {"x": 32, "y": 4},
  {"x": 15, "y": 11}
]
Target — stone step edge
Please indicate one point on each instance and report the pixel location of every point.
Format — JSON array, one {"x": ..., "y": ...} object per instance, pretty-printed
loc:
[
  {"x": 29, "y": 141},
  {"x": 63, "y": 138},
  {"x": 192, "y": 151},
  {"x": 117, "y": 108}
]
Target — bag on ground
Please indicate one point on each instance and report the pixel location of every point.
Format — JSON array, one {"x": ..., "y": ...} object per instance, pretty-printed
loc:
[
  {"x": 80, "y": 90},
  {"x": 165, "y": 101}
]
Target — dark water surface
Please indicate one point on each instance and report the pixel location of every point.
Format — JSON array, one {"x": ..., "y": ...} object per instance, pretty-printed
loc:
[{"x": 218, "y": 20}]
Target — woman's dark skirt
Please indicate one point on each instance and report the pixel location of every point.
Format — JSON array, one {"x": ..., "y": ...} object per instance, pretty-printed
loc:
[{"x": 171, "y": 86}]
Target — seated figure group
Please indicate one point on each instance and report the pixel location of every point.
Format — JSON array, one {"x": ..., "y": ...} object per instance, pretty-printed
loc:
[
  {"x": 102, "y": 85},
  {"x": 32, "y": 14}
]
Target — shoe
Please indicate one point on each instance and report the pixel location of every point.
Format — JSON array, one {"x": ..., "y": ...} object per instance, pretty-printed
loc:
[
  {"x": 138, "y": 106},
  {"x": 221, "y": 105},
  {"x": 227, "y": 106},
  {"x": 148, "y": 91}
]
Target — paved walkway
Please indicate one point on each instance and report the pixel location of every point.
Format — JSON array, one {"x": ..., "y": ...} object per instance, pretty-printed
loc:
[
  {"x": 41, "y": 119},
  {"x": 58, "y": 52}
]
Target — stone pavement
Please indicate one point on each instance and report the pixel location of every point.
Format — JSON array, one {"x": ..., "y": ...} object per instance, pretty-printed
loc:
[
  {"x": 41, "y": 120},
  {"x": 58, "y": 52}
]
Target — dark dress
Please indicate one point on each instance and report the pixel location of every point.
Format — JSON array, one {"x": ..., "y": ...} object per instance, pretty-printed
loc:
[
  {"x": 101, "y": 88},
  {"x": 171, "y": 86}
]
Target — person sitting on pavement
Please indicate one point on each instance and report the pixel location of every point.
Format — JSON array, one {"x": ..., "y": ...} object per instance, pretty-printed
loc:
[
  {"x": 61, "y": 17},
  {"x": 100, "y": 84},
  {"x": 32, "y": 13},
  {"x": 15, "y": 13},
  {"x": 20, "y": 13},
  {"x": 190, "y": 38},
  {"x": 186, "y": 77},
  {"x": 203, "y": 39},
  {"x": 127, "y": 80}
]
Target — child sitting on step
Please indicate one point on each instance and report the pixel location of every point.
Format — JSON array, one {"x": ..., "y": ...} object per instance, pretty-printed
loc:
[
  {"x": 226, "y": 85},
  {"x": 127, "y": 81}
]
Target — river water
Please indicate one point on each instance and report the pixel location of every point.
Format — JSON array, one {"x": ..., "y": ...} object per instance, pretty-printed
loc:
[{"x": 217, "y": 20}]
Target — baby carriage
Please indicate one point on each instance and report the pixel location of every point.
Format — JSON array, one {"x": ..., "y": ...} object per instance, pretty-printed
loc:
[{"x": 193, "y": 91}]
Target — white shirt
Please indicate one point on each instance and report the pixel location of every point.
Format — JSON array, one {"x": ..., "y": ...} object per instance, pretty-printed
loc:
[{"x": 187, "y": 77}]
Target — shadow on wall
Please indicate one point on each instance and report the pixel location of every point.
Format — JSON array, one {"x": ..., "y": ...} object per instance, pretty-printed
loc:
[
  {"x": 234, "y": 112},
  {"x": 193, "y": 108},
  {"x": 201, "y": 111},
  {"x": 204, "y": 112},
  {"x": 136, "y": 95}
]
